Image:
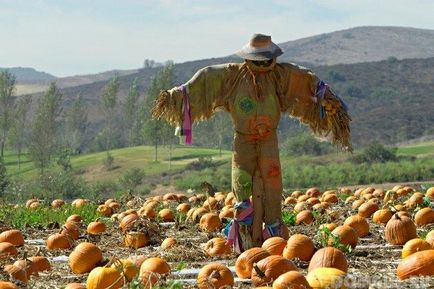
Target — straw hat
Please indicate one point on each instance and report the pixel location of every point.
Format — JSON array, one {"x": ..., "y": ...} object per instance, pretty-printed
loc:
[{"x": 260, "y": 48}]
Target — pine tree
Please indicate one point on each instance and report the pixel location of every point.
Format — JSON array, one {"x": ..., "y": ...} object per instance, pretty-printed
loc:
[
  {"x": 7, "y": 106},
  {"x": 131, "y": 111},
  {"x": 108, "y": 107},
  {"x": 76, "y": 124}
]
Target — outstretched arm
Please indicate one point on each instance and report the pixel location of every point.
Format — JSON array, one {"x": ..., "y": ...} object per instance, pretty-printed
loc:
[
  {"x": 204, "y": 92},
  {"x": 303, "y": 95}
]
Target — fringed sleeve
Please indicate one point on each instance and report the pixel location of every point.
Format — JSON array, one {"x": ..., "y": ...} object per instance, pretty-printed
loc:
[
  {"x": 205, "y": 92},
  {"x": 313, "y": 102}
]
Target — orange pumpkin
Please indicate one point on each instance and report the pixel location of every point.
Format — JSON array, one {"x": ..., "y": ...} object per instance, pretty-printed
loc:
[
  {"x": 104, "y": 277},
  {"x": 399, "y": 230},
  {"x": 75, "y": 286},
  {"x": 7, "y": 250},
  {"x": 84, "y": 258},
  {"x": 359, "y": 224},
  {"x": 215, "y": 275},
  {"x": 329, "y": 257},
  {"x": 430, "y": 238},
  {"x": 96, "y": 228},
  {"x": 382, "y": 216},
  {"x": 7, "y": 285},
  {"x": 417, "y": 264},
  {"x": 210, "y": 222},
  {"x": 291, "y": 279},
  {"x": 59, "y": 241},
  {"x": 152, "y": 269},
  {"x": 414, "y": 245},
  {"x": 166, "y": 215},
  {"x": 268, "y": 269},
  {"x": 128, "y": 222},
  {"x": 274, "y": 245},
  {"x": 15, "y": 237},
  {"x": 168, "y": 243},
  {"x": 367, "y": 209},
  {"x": 71, "y": 229},
  {"x": 217, "y": 247},
  {"x": 424, "y": 217},
  {"x": 18, "y": 273},
  {"x": 40, "y": 263},
  {"x": 136, "y": 240},
  {"x": 244, "y": 263},
  {"x": 305, "y": 217},
  {"x": 321, "y": 278},
  {"x": 347, "y": 236},
  {"x": 299, "y": 246}
]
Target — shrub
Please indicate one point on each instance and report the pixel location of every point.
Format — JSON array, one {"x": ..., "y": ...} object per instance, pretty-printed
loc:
[
  {"x": 376, "y": 152},
  {"x": 108, "y": 161},
  {"x": 306, "y": 144},
  {"x": 132, "y": 178}
]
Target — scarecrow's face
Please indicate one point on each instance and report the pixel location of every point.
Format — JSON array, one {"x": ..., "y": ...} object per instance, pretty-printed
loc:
[{"x": 264, "y": 63}]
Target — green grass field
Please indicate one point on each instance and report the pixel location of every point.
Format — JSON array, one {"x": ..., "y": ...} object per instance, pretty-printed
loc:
[
  {"x": 420, "y": 149},
  {"x": 91, "y": 166}
]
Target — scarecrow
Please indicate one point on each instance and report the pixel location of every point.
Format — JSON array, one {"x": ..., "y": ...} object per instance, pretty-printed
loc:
[{"x": 255, "y": 93}]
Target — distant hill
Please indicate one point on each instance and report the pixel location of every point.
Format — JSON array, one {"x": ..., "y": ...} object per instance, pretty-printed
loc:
[
  {"x": 29, "y": 74},
  {"x": 390, "y": 100},
  {"x": 360, "y": 44}
]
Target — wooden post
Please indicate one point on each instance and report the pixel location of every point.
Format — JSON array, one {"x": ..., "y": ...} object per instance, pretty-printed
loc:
[{"x": 258, "y": 208}]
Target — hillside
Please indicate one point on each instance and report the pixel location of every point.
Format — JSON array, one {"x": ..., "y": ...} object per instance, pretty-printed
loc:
[
  {"x": 361, "y": 44},
  {"x": 28, "y": 74}
]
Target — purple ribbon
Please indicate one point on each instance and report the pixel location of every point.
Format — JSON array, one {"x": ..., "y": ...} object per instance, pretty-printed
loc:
[
  {"x": 271, "y": 230},
  {"x": 187, "y": 129},
  {"x": 319, "y": 94}
]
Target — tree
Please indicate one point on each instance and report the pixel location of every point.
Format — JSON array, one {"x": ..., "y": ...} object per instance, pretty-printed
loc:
[
  {"x": 76, "y": 124},
  {"x": 18, "y": 135},
  {"x": 131, "y": 110},
  {"x": 44, "y": 138},
  {"x": 7, "y": 106},
  {"x": 376, "y": 152},
  {"x": 4, "y": 181},
  {"x": 108, "y": 108},
  {"x": 158, "y": 131}
]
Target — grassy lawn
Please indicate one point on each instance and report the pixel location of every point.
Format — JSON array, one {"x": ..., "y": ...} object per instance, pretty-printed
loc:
[
  {"x": 425, "y": 149},
  {"x": 91, "y": 166}
]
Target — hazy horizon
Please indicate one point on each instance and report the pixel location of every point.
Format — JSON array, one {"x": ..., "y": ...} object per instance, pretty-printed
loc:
[{"x": 78, "y": 37}]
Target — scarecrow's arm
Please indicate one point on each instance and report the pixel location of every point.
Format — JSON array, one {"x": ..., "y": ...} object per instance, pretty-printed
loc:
[
  {"x": 204, "y": 92},
  {"x": 309, "y": 99}
]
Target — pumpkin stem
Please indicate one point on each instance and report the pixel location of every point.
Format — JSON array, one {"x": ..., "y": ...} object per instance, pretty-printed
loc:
[
  {"x": 258, "y": 271},
  {"x": 215, "y": 274}
]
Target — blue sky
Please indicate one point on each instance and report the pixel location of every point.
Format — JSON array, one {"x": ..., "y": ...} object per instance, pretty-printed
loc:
[{"x": 68, "y": 37}]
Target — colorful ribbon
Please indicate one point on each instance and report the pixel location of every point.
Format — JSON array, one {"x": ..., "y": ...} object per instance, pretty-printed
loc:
[
  {"x": 187, "y": 129},
  {"x": 271, "y": 230},
  {"x": 232, "y": 230},
  {"x": 319, "y": 94}
]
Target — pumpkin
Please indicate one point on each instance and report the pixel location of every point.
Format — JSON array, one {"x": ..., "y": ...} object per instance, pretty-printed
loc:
[
  {"x": 301, "y": 206},
  {"x": 330, "y": 198},
  {"x": 350, "y": 199},
  {"x": 96, "y": 228},
  {"x": 168, "y": 243},
  {"x": 359, "y": 224},
  {"x": 15, "y": 237},
  {"x": 430, "y": 238},
  {"x": 313, "y": 192},
  {"x": 7, "y": 250},
  {"x": 382, "y": 216},
  {"x": 296, "y": 194},
  {"x": 25, "y": 265},
  {"x": 424, "y": 217},
  {"x": 417, "y": 264},
  {"x": 347, "y": 236},
  {"x": 313, "y": 201},
  {"x": 230, "y": 199},
  {"x": 328, "y": 257},
  {"x": 322, "y": 278},
  {"x": 104, "y": 210},
  {"x": 35, "y": 205},
  {"x": 227, "y": 214},
  {"x": 210, "y": 222},
  {"x": 40, "y": 263},
  {"x": 215, "y": 275},
  {"x": 77, "y": 203},
  {"x": 170, "y": 197},
  {"x": 74, "y": 218},
  {"x": 357, "y": 203},
  {"x": 430, "y": 193},
  {"x": 166, "y": 215},
  {"x": 136, "y": 240},
  {"x": 183, "y": 208},
  {"x": 274, "y": 245},
  {"x": 151, "y": 270},
  {"x": 268, "y": 269},
  {"x": 128, "y": 268},
  {"x": 17, "y": 273},
  {"x": 71, "y": 229},
  {"x": 305, "y": 217},
  {"x": 210, "y": 203},
  {"x": 290, "y": 200},
  {"x": 299, "y": 246},
  {"x": 147, "y": 212},
  {"x": 57, "y": 203},
  {"x": 59, "y": 241},
  {"x": 104, "y": 277},
  {"x": 291, "y": 279},
  {"x": 414, "y": 245},
  {"x": 198, "y": 213},
  {"x": 367, "y": 209},
  {"x": 330, "y": 226},
  {"x": 7, "y": 285},
  {"x": 399, "y": 230},
  {"x": 84, "y": 258},
  {"x": 415, "y": 199},
  {"x": 128, "y": 222},
  {"x": 114, "y": 206},
  {"x": 244, "y": 262},
  {"x": 217, "y": 247}
]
